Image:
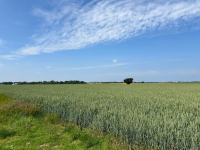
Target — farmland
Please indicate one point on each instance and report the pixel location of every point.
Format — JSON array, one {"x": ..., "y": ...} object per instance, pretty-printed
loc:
[{"x": 164, "y": 116}]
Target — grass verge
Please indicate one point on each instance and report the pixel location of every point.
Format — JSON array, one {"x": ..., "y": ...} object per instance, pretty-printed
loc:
[{"x": 23, "y": 126}]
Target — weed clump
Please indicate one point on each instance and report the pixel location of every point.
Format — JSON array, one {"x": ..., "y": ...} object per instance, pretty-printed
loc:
[
  {"x": 6, "y": 132},
  {"x": 52, "y": 118},
  {"x": 29, "y": 109}
]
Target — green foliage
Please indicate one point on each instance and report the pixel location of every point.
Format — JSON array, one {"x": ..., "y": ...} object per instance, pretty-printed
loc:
[
  {"x": 44, "y": 82},
  {"x": 6, "y": 132},
  {"x": 128, "y": 80},
  {"x": 7, "y": 83},
  {"x": 155, "y": 116},
  {"x": 83, "y": 136}
]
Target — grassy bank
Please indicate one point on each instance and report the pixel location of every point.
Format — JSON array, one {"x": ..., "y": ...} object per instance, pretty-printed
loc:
[{"x": 24, "y": 126}]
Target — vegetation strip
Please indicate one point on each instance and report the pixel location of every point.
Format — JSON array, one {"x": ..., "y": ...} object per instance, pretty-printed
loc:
[{"x": 24, "y": 126}]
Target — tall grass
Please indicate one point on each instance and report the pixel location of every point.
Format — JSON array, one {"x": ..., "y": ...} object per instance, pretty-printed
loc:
[{"x": 156, "y": 116}]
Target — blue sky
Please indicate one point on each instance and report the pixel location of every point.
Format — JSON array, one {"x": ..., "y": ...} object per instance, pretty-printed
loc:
[{"x": 100, "y": 40}]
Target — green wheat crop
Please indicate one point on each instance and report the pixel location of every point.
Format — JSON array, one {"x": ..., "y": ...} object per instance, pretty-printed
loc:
[{"x": 157, "y": 116}]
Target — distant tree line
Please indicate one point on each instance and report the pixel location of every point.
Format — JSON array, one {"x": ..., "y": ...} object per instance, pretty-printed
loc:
[
  {"x": 7, "y": 83},
  {"x": 127, "y": 80},
  {"x": 45, "y": 82}
]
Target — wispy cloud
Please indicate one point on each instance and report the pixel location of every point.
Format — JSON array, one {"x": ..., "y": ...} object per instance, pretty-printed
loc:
[
  {"x": 123, "y": 64},
  {"x": 48, "y": 67},
  {"x": 74, "y": 25},
  {"x": 94, "y": 67},
  {"x": 10, "y": 57}
]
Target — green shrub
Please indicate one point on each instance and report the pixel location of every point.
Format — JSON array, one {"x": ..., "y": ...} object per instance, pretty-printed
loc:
[{"x": 128, "y": 80}]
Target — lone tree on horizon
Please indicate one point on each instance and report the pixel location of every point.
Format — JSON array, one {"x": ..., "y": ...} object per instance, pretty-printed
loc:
[{"x": 128, "y": 80}]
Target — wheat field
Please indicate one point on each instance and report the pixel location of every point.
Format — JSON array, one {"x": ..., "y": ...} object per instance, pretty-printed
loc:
[{"x": 156, "y": 116}]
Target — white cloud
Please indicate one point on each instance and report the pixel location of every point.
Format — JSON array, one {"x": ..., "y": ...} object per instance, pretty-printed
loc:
[
  {"x": 101, "y": 66},
  {"x": 72, "y": 25},
  {"x": 115, "y": 60},
  {"x": 29, "y": 50},
  {"x": 48, "y": 67},
  {"x": 10, "y": 57}
]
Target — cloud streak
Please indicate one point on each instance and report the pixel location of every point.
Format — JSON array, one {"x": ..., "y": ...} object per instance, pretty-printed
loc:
[
  {"x": 120, "y": 64},
  {"x": 73, "y": 25},
  {"x": 10, "y": 57},
  {"x": 94, "y": 67}
]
